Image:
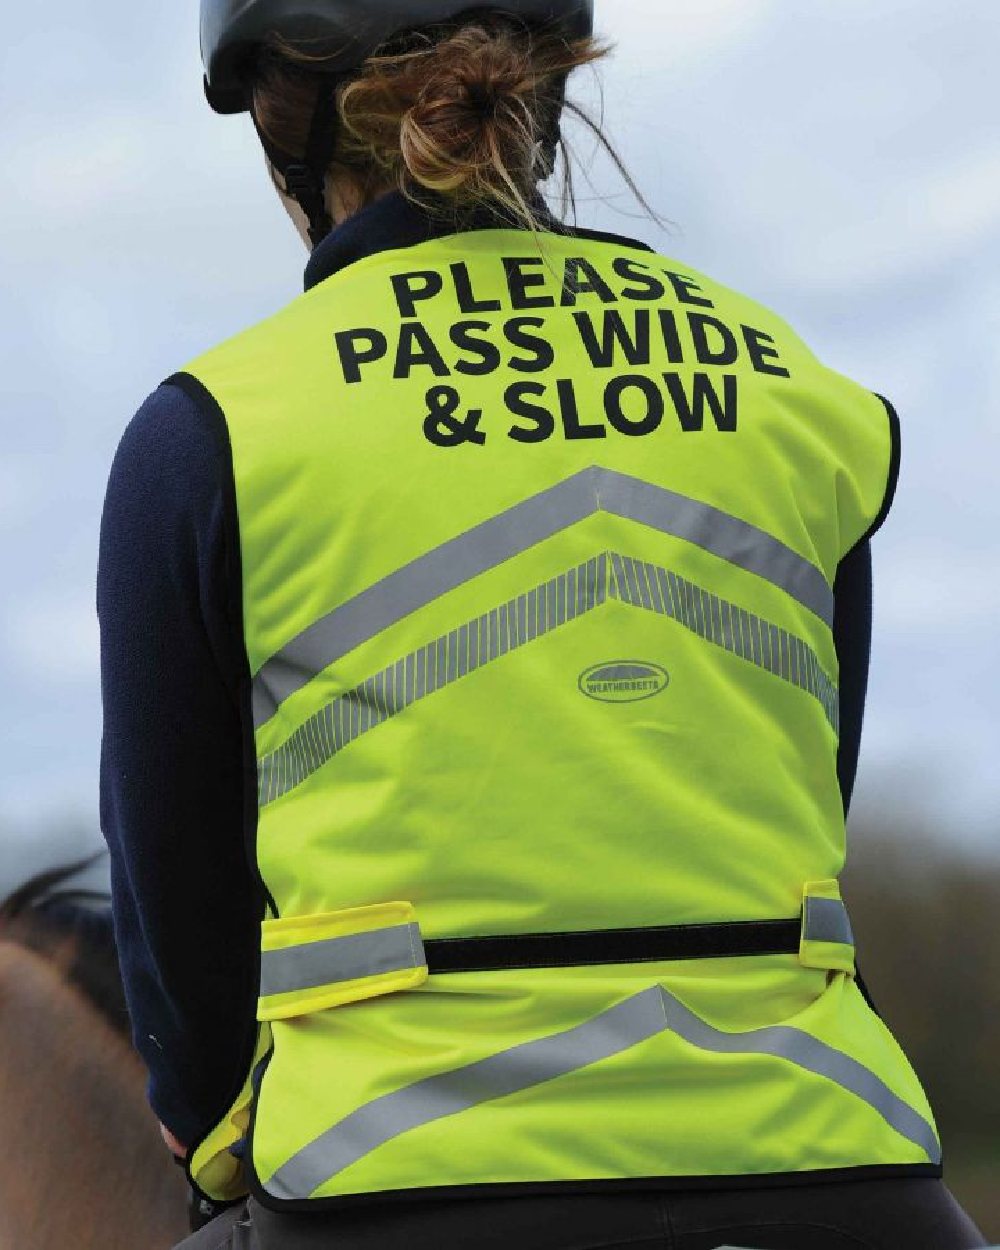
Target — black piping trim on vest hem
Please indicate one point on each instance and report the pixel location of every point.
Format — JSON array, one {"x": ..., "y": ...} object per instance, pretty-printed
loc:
[
  {"x": 613, "y": 946},
  {"x": 603, "y": 1185},
  {"x": 895, "y": 442},
  {"x": 249, "y": 1169},
  {"x": 206, "y": 402}
]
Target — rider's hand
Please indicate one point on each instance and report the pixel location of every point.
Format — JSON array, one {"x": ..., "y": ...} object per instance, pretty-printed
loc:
[{"x": 173, "y": 1145}]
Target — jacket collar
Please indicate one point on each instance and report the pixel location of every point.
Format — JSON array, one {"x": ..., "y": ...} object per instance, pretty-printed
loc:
[{"x": 393, "y": 221}]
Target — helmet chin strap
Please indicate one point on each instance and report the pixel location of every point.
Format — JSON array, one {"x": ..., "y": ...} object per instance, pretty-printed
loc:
[
  {"x": 305, "y": 176},
  {"x": 551, "y": 139}
]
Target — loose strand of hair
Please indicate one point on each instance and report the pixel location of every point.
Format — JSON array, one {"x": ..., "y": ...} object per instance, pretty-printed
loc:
[{"x": 595, "y": 129}]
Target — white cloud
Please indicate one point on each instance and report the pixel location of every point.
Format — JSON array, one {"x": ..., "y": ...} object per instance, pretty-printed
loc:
[
  {"x": 937, "y": 592},
  {"x": 961, "y": 201},
  {"x": 682, "y": 34},
  {"x": 54, "y": 636},
  {"x": 925, "y": 220},
  {"x": 22, "y": 488},
  {"x": 71, "y": 171},
  {"x": 840, "y": 162},
  {"x": 849, "y": 152}
]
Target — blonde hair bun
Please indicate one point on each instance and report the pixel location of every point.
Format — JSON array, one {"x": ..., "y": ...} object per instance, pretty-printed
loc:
[{"x": 473, "y": 115}]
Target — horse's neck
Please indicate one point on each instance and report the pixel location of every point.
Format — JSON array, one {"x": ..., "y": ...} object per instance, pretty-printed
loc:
[{"x": 83, "y": 1164}]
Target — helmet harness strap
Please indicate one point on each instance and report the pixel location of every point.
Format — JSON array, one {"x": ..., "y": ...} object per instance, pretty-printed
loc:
[
  {"x": 305, "y": 176},
  {"x": 553, "y": 136}
]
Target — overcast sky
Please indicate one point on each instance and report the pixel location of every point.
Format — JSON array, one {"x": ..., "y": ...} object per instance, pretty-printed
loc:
[{"x": 838, "y": 160}]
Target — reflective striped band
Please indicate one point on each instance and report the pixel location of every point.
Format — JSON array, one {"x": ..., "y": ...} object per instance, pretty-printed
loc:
[
  {"x": 512, "y": 1070},
  {"x": 332, "y": 961},
  {"x": 644, "y": 1015},
  {"x": 827, "y": 940},
  {"x": 809, "y": 1053},
  {"x": 314, "y": 964},
  {"x": 512, "y": 625},
  {"x": 490, "y": 544},
  {"x": 826, "y": 920},
  {"x": 725, "y": 624}
]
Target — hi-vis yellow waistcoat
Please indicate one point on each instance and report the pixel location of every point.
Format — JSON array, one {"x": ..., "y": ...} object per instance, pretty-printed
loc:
[{"x": 538, "y": 540}]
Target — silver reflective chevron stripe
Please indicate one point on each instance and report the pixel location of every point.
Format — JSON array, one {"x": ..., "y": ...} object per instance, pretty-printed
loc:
[
  {"x": 645, "y": 585},
  {"x": 644, "y": 1015},
  {"x": 609, "y": 576},
  {"x": 312, "y": 964},
  {"x": 808, "y": 1052},
  {"x": 521, "y": 1067},
  {"x": 725, "y": 536},
  {"x": 491, "y": 543},
  {"x": 826, "y": 920}
]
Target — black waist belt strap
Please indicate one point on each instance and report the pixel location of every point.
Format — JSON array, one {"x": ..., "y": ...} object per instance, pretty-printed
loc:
[{"x": 614, "y": 946}]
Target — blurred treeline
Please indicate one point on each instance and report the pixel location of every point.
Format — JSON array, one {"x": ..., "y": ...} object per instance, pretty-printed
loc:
[{"x": 927, "y": 922}]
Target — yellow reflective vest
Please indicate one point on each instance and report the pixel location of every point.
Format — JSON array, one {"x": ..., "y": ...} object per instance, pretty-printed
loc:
[{"x": 538, "y": 542}]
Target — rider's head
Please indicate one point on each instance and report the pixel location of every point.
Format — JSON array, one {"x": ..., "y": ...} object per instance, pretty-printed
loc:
[{"x": 352, "y": 98}]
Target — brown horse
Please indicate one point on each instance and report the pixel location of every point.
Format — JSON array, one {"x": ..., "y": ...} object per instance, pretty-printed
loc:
[{"x": 81, "y": 1160}]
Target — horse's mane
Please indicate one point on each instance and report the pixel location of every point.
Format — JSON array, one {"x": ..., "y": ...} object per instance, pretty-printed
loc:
[{"x": 72, "y": 928}]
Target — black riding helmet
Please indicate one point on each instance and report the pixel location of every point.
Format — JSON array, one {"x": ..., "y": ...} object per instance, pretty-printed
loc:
[{"x": 349, "y": 31}]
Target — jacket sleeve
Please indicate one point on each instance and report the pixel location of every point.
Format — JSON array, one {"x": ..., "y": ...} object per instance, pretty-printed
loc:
[
  {"x": 175, "y": 755},
  {"x": 852, "y": 636}
]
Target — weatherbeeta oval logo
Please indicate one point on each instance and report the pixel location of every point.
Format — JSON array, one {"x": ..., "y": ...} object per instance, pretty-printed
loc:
[{"x": 623, "y": 681}]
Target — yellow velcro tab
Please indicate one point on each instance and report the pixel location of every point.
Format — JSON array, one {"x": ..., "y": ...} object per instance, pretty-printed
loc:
[
  {"x": 827, "y": 940},
  {"x": 212, "y": 1165},
  {"x": 310, "y": 963}
]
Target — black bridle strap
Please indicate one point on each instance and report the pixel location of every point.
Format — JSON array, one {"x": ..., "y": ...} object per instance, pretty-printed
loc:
[{"x": 614, "y": 946}]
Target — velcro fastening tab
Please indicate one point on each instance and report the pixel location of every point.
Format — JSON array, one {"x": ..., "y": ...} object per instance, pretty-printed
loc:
[
  {"x": 827, "y": 940},
  {"x": 311, "y": 963}
]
